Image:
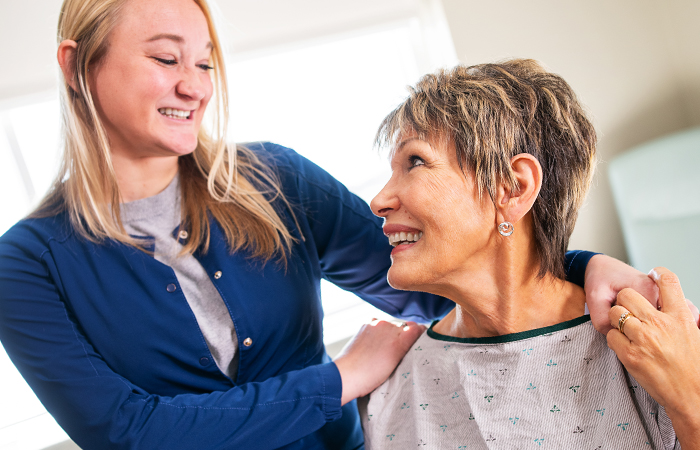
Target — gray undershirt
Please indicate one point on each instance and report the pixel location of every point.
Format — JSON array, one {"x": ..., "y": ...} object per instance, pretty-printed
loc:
[{"x": 157, "y": 217}]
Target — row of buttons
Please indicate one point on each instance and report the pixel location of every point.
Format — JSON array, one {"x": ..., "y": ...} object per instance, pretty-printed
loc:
[
  {"x": 204, "y": 361},
  {"x": 172, "y": 287}
]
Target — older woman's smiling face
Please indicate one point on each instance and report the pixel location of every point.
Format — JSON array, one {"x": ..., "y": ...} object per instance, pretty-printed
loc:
[{"x": 433, "y": 202}]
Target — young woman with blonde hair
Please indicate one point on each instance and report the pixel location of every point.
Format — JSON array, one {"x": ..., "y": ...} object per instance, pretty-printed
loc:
[{"x": 165, "y": 294}]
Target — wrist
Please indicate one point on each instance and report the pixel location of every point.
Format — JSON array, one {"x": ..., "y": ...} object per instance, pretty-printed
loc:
[
  {"x": 686, "y": 424},
  {"x": 348, "y": 390}
]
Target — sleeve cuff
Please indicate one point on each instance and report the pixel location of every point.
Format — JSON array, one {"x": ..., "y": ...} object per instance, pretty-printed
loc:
[
  {"x": 576, "y": 262},
  {"x": 332, "y": 390}
]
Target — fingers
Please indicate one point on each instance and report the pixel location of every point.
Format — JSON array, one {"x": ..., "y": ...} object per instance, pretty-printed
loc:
[
  {"x": 671, "y": 296},
  {"x": 694, "y": 311},
  {"x": 647, "y": 288},
  {"x": 397, "y": 332},
  {"x": 412, "y": 331},
  {"x": 599, "y": 309},
  {"x": 635, "y": 303},
  {"x": 618, "y": 343},
  {"x": 631, "y": 325}
]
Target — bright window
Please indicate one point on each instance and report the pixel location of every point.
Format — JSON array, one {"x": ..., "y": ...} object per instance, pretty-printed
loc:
[
  {"x": 29, "y": 155},
  {"x": 326, "y": 102}
]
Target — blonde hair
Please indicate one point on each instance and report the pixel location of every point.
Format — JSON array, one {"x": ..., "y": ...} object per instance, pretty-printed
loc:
[
  {"x": 227, "y": 181},
  {"x": 492, "y": 112}
]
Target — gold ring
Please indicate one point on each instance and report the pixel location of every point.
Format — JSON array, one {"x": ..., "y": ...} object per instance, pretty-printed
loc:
[{"x": 623, "y": 319}]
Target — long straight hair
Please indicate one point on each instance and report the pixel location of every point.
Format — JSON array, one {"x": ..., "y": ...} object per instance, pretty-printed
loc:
[{"x": 230, "y": 183}]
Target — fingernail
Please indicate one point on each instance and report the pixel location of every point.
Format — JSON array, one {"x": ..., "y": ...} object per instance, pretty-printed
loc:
[{"x": 653, "y": 275}]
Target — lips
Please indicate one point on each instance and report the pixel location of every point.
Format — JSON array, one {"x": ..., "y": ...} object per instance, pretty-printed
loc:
[
  {"x": 401, "y": 234},
  {"x": 175, "y": 113},
  {"x": 404, "y": 238}
]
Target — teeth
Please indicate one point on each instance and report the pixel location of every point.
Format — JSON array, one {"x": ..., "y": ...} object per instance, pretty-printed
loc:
[
  {"x": 174, "y": 113},
  {"x": 404, "y": 238}
]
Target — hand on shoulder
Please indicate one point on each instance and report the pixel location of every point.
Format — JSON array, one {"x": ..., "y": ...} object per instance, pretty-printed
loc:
[{"x": 373, "y": 354}]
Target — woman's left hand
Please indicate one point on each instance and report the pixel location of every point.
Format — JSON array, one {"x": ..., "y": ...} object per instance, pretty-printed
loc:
[{"x": 661, "y": 350}]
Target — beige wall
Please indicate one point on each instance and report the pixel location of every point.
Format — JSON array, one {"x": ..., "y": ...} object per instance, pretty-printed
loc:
[{"x": 634, "y": 63}]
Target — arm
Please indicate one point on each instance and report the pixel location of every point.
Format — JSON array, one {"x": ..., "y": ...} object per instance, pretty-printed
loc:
[
  {"x": 658, "y": 348},
  {"x": 102, "y": 409},
  {"x": 353, "y": 251}
]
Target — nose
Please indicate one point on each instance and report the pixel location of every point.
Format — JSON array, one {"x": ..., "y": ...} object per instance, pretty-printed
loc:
[
  {"x": 192, "y": 86},
  {"x": 385, "y": 201}
]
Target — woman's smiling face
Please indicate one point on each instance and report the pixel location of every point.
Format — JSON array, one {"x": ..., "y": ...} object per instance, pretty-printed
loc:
[
  {"x": 431, "y": 198},
  {"x": 152, "y": 86}
]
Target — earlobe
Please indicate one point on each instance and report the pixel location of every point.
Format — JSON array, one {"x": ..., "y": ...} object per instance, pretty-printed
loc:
[
  {"x": 66, "y": 60},
  {"x": 514, "y": 205}
]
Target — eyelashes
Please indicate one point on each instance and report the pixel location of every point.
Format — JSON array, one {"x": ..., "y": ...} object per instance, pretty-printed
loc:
[
  {"x": 172, "y": 62},
  {"x": 415, "y": 161}
]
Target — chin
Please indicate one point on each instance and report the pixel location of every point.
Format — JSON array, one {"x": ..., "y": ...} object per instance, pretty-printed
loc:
[
  {"x": 182, "y": 147},
  {"x": 398, "y": 280}
]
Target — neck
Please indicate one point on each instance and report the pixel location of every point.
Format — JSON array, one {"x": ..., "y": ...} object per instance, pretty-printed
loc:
[
  {"x": 143, "y": 177},
  {"x": 506, "y": 296}
]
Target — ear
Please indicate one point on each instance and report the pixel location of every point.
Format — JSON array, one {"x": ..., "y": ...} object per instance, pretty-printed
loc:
[
  {"x": 513, "y": 206},
  {"x": 66, "y": 59}
]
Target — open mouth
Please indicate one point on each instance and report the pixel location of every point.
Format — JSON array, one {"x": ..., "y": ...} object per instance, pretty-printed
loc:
[
  {"x": 396, "y": 239},
  {"x": 177, "y": 114}
]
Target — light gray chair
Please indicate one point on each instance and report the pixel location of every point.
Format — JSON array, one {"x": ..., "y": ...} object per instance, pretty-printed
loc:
[{"x": 657, "y": 193}]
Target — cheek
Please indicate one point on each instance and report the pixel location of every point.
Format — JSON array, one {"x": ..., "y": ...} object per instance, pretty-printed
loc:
[
  {"x": 127, "y": 92},
  {"x": 447, "y": 204},
  {"x": 209, "y": 91}
]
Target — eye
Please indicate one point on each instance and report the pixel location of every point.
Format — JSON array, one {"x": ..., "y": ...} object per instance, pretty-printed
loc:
[
  {"x": 167, "y": 62},
  {"x": 205, "y": 67},
  {"x": 415, "y": 161}
]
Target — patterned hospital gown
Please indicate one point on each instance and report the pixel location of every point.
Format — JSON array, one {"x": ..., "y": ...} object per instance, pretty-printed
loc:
[{"x": 558, "y": 387}]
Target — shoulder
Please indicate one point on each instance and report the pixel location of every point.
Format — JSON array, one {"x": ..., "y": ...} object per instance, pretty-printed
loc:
[
  {"x": 274, "y": 155},
  {"x": 287, "y": 162},
  {"x": 296, "y": 172},
  {"x": 32, "y": 236},
  {"x": 411, "y": 365}
]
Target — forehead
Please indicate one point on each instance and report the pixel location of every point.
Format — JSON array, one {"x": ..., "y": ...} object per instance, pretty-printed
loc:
[
  {"x": 143, "y": 19},
  {"x": 410, "y": 140}
]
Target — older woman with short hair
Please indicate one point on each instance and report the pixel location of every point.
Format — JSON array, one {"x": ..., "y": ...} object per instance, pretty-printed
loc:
[{"x": 490, "y": 166}]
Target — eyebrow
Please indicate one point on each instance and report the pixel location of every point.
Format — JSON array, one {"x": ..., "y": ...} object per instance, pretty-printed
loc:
[
  {"x": 401, "y": 144},
  {"x": 175, "y": 38}
]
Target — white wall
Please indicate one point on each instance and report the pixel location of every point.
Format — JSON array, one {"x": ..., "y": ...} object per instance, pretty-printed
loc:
[
  {"x": 28, "y": 30},
  {"x": 634, "y": 63}
]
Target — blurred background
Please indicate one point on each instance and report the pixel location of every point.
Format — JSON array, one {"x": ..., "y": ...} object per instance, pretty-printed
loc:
[{"x": 319, "y": 75}]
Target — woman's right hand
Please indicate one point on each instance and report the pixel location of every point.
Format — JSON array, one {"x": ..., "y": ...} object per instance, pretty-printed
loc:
[
  {"x": 372, "y": 355},
  {"x": 661, "y": 349}
]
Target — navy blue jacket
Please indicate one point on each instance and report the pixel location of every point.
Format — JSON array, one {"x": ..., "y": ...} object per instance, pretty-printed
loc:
[{"x": 107, "y": 341}]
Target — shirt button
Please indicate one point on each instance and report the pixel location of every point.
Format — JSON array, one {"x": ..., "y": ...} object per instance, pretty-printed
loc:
[
  {"x": 204, "y": 361},
  {"x": 183, "y": 234},
  {"x": 218, "y": 274},
  {"x": 171, "y": 288},
  {"x": 248, "y": 342}
]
